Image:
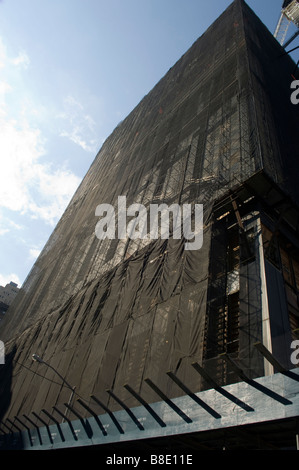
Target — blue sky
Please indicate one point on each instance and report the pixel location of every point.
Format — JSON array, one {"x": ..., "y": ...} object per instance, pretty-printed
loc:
[{"x": 70, "y": 71}]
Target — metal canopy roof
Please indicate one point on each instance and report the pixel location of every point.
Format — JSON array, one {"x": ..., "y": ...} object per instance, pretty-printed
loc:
[{"x": 271, "y": 401}]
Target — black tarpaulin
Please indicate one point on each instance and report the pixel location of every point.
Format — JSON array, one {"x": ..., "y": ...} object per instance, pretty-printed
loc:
[{"x": 136, "y": 322}]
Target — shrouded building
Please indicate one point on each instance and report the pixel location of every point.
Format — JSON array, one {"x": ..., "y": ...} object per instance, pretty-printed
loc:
[{"x": 143, "y": 341}]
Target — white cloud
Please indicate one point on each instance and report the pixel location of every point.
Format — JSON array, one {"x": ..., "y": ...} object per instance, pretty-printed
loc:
[
  {"x": 4, "y": 88},
  {"x": 80, "y": 127},
  {"x": 21, "y": 59},
  {"x": 28, "y": 184},
  {"x": 6, "y": 225},
  {"x": 15, "y": 226},
  {"x": 6, "y": 279},
  {"x": 34, "y": 253}
]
